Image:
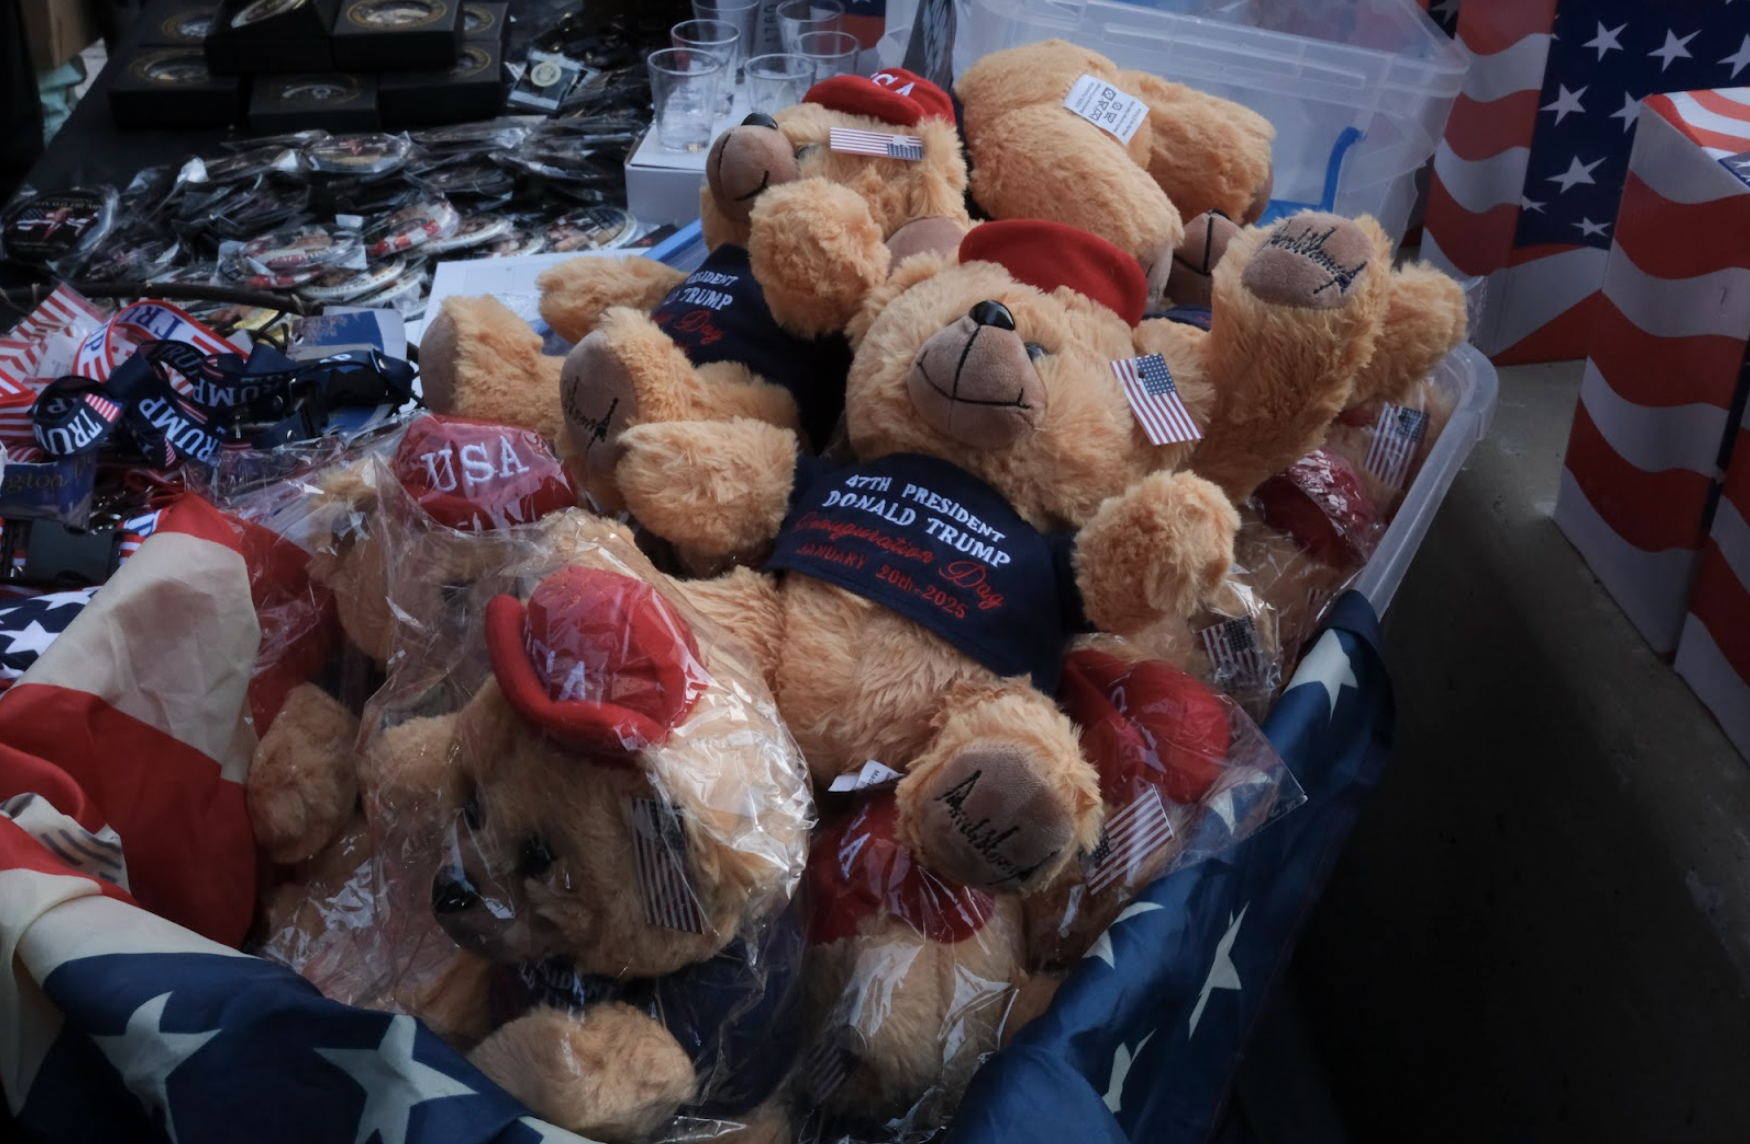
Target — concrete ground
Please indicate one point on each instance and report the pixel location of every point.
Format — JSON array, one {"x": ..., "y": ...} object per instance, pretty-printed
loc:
[{"x": 1541, "y": 928}]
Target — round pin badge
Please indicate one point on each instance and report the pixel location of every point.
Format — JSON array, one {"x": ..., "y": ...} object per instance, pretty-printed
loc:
[
  {"x": 171, "y": 67},
  {"x": 258, "y": 10},
  {"x": 340, "y": 284},
  {"x": 242, "y": 166},
  {"x": 487, "y": 135},
  {"x": 236, "y": 269},
  {"x": 474, "y": 230},
  {"x": 46, "y": 228},
  {"x": 306, "y": 246},
  {"x": 545, "y": 74},
  {"x": 481, "y": 179},
  {"x": 133, "y": 262},
  {"x": 406, "y": 294},
  {"x": 362, "y": 153},
  {"x": 397, "y": 15},
  {"x": 515, "y": 242},
  {"x": 411, "y": 226},
  {"x": 197, "y": 274},
  {"x": 592, "y": 228}
]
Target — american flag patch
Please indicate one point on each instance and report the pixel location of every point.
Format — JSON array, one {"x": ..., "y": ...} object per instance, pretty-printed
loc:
[
  {"x": 1148, "y": 386},
  {"x": 827, "y": 1065},
  {"x": 1232, "y": 647},
  {"x": 1126, "y": 841},
  {"x": 659, "y": 850},
  {"x": 1397, "y": 434},
  {"x": 877, "y": 143}
]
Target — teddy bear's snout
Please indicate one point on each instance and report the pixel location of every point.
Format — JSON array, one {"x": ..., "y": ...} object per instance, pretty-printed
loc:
[
  {"x": 976, "y": 381},
  {"x": 746, "y": 160}
]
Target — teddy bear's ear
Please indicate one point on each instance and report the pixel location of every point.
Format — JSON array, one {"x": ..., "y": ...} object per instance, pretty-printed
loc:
[{"x": 907, "y": 274}]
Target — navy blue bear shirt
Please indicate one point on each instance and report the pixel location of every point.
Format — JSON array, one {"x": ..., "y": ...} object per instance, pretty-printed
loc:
[
  {"x": 719, "y": 313},
  {"x": 929, "y": 540}
]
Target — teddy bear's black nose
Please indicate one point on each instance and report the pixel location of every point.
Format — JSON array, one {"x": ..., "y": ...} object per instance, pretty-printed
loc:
[
  {"x": 452, "y": 895},
  {"x": 760, "y": 119},
  {"x": 993, "y": 314}
]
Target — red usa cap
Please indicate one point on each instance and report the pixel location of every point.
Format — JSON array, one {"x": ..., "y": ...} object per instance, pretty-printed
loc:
[
  {"x": 1049, "y": 254},
  {"x": 476, "y": 475},
  {"x": 893, "y": 96},
  {"x": 1323, "y": 503},
  {"x": 1146, "y": 724},
  {"x": 596, "y": 658}
]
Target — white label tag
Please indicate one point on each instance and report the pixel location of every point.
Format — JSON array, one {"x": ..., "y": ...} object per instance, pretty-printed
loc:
[
  {"x": 872, "y": 774},
  {"x": 877, "y": 143},
  {"x": 350, "y": 221},
  {"x": 1107, "y": 108}
]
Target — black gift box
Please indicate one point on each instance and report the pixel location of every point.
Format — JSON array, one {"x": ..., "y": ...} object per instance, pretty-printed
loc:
[
  {"x": 282, "y": 35},
  {"x": 335, "y": 101},
  {"x": 178, "y": 24},
  {"x": 171, "y": 87},
  {"x": 473, "y": 89},
  {"x": 484, "y": 21},
  {"x": 397, "y": 35}
]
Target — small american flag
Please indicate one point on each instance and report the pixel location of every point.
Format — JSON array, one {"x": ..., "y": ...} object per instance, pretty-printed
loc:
[
  {"x": 103, "y": 407},
  {"x": 1148, "y": 385},
  {"x": 1232, "y": 647},
  {"x": 659, "y": 852},
  {"x": 877, "y": 143},
  {"x": 1127, "y": 840},
  {"x": 826, "y": 1067},
  {"x": 1396, "y": 436}
]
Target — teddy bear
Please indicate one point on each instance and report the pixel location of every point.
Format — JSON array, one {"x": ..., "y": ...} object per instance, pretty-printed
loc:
[
  {"x": 628, "y": 822},
  {"x": 803, "y": 214},
  {"x": 1056, "y": 131}
]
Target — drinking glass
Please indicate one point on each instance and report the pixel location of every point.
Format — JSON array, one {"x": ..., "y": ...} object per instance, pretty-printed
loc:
[
  {"x": 685, "y": 85},
  {"x": 797, "y": 18},
  {"x": 832, "y": 53},
  {"x": 743, "y": 15},
  {"x": 777, "y": 81},
  {"x": 720, "y": 38}
]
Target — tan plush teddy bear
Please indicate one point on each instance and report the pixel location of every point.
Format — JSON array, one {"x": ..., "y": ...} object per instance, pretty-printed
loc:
[
  {"x": 804, "y": 214},
  {"x": 1056, "y": 131}
]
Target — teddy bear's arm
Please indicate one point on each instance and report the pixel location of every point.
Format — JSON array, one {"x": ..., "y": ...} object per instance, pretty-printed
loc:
[
  {"x": 610, "y": 1071},
  {"x": 1424, "y": 322},
  {"x": 479, "y": 360},
  {"x": 302, "y": 784},
  {"x": 817, "y": 253},
  {"x": 575, "y": 294},
  {"x": 1158, "y": 549},
  {"x": 1209, "y": 153},
  {"x": 718, "y": 488}
]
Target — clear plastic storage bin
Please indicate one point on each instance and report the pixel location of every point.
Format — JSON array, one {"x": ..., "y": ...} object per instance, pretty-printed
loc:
[{"x": 1358, "y": 90}]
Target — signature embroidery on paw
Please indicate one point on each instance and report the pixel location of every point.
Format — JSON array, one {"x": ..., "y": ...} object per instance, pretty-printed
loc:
[
  {"x": 1310, "y": 244},
  {"x": 983, "y": 836}
]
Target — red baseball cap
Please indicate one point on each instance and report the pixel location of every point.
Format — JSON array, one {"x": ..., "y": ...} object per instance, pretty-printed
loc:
[
  {"x": 893, "y": 96},
  {"x": 1146, "y": 724},
  {"x": 477, "y": 475},
  {"x": 1049, "y": 254},
  {"x": 596, "y": 658}
]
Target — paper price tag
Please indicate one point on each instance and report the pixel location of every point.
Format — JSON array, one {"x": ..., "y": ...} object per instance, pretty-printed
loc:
[
  {"x": 1107, "y": 108},
  {"x": 872, "y": 774}
]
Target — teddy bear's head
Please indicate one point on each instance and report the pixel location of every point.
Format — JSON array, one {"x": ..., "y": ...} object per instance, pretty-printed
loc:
[
  {"x": 798, "y": 143},
  {"x": 620, "y": 799},
  {"x": 460, "y": 479},
  {"x": 1000, "y": 359}
]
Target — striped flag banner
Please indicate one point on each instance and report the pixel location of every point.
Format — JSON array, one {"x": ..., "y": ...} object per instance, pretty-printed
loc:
[
  {"x": 827, "y": 1066},
  {"x": 16, "y": 427},
  {"x": 1232, "y": 648},
  {"x": 1397, "y": 434},
  {"x": 109, "y": 345},
  {"x": 1154, "y": 399},
  {"x": 877, "y": 143},
  {"x": 659, "y": 852},
  {"x": 103, "y": 407},
  {"x": 64, "y": 309},
  {"x": 1127, "y": 839}
]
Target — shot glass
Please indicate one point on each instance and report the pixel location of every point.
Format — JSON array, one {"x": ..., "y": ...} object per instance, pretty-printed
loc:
[
  {"x": 721, "y": 39},
  {"x": 797, "y": 18},
  {"x": 685, "y": 86},
  {"x": 832, "y": 53},
  {"x": 743, "y": 15},
  {"x": 777, "y": 81}
]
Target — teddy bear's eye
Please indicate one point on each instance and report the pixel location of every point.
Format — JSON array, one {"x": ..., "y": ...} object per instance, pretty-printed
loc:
[
  {"x": 536, "y": 858},
  {"x": 1035, "y": 351}
]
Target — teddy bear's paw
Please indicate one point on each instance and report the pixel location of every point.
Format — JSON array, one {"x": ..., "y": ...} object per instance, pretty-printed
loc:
[
  {"x": 924, "y": 235},
  {"x": 612, "y": 1073},
  {"x": 817, "y": 253},
  {"x": 600, "y": 400},
  {"x": 1190, "y": 278},
  {"x": 720, "y": 488},
  {"x": 1159, "y": 550},
  {"x": 1313, "y": 261},
  {"x": 1002, "y": 800},
  {"x": 302, "y": 784}
]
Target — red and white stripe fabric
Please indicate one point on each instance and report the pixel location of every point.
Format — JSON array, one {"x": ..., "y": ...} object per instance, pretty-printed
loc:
[
  {"x": 64, "y": 314},
  {"x": 1667, "y": 355},
  {"x": 1714, "y": 652},
  {"x": 132, "y": 725}
]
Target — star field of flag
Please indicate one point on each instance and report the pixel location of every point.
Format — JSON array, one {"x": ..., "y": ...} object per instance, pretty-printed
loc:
[
  {"x": 1604, "y": 57},
  {"x": 29, "y": 626}
]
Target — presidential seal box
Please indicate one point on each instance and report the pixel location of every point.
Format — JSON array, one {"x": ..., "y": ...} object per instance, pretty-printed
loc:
[
  {"x": 169, "y": 87},
  {"x": 333, "y": 101},
  {"x": 278, "y": 35},
  {"x": 484, "y": 21},
  {"x": 397, "y": 35},
  {"x": 178, "y": 24},
  {"x": 474, "y": 88}
]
